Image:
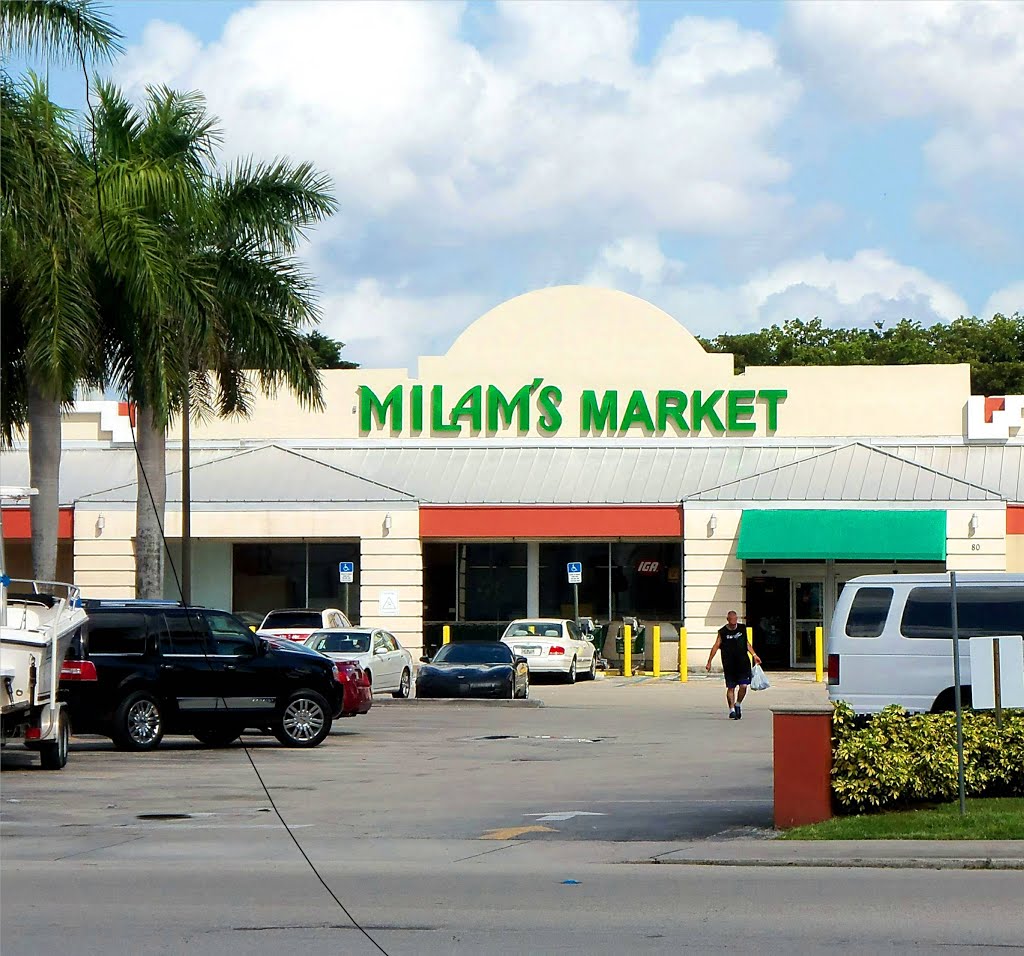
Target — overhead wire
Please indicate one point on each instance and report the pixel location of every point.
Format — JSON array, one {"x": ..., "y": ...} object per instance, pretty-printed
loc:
[{"x": 163, "y": 537}]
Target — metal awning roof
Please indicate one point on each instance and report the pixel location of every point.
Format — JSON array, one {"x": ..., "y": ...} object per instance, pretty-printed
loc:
[
  {"x": 855, "y": 472},
  {"x": 579, "y": 473},
  {"x": 266, "y": 475}
]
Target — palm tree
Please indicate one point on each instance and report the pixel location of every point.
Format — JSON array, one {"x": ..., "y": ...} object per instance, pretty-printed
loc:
[
  {"x": 213, "y": 291},
  {"x": 49, "y": 320}
]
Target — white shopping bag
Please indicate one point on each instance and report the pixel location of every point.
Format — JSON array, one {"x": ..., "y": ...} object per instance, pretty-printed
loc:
[{"x": 757, "y": 679}]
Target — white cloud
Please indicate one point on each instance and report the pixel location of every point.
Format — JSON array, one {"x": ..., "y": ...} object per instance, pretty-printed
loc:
[
  {"x": 957, "y": 62},
  {"x": 555, "y": 125},
  {"x": 869, "y": 287},
  {"x": 632, "y": 258},
  {"x": 1007, "y": 301},
  {"x": 383, "y": 327}
]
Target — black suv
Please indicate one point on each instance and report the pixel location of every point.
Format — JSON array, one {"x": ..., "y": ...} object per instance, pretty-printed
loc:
[{"x": 139, "y": 669}]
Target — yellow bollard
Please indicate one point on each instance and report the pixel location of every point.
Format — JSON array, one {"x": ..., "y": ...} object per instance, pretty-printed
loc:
[
  {"x": 627, "y": 651},
  {"x": 656, "y": 650},
  {"x": 446, "y": 634},
  {"x": 684, "y": 675},
  {"x": 819, "y": 654},
  {"x": 750, "y": 645}
]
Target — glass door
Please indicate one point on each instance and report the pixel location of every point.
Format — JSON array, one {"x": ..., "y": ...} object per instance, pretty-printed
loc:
[{"x": 808, "y": 614}]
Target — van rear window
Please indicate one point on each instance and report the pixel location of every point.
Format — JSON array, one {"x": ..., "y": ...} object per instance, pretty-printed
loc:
[
  {"x": 868, "y": 612},
  {"x": 982, "y": 611}
]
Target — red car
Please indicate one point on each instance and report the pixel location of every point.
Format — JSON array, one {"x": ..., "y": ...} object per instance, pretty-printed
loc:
[{"x": 356, "y": 689}]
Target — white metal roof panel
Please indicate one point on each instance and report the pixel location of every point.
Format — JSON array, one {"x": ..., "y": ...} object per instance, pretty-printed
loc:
[{"x": 855, "y": 472}]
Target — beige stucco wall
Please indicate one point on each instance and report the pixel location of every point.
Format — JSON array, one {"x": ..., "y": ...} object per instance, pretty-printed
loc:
[
  {"x": 1015, "y": 552},
  {"x": 390, "y": 559},
  {"x": 714, "y": 578},
  {"x": 580, "y": 338},
  {"x": 985, "y": 549}
]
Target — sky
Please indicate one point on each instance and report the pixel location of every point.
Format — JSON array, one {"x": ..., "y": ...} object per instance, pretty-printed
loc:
[{"x": 737, "y": 164}]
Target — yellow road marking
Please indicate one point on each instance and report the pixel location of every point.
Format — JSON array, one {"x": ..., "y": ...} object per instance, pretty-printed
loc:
[{"x": 510, "y": 833}]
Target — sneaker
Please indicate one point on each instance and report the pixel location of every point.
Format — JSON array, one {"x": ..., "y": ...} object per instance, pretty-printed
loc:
[
  {"x": 733, "y": 715},
  {"x": 739, "y": 713}
]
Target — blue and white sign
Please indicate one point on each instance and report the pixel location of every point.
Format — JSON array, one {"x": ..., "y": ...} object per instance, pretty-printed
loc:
[
  {"x": 575, "y": 569},
  {"x": 346, "y": 572}
]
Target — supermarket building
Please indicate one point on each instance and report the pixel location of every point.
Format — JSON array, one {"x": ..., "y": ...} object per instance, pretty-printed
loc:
[{"x": 567, "y": 424}]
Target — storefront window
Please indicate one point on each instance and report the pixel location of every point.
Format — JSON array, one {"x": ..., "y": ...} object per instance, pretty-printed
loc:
[
  {"x": 270, "y": 575},
  {"x": 645, "y": 580},
  {"x": 555, "y": 589},
  {"x": 494, "y": 582}
]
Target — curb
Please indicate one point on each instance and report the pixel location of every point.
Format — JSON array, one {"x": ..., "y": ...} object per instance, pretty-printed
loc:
[
  {"x": 390, "y": 701},
  {"x": 889, "y": 863}
]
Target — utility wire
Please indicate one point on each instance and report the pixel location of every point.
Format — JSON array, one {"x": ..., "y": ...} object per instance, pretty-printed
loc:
[{"x": 163, "y": 537}]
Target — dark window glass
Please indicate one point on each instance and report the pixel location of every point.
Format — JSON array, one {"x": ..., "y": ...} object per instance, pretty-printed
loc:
[
  {"x": 334, "y": 642},
  {"x": 495, "y": 582},
  {"x": 230, "y": 636},
  {"x": 299, "y": 619},
  {"x": 474, "y": 654},
  {"x": 982, "y": 611},
  {"x": 536, "y": 629},
  {"x": 868, "y": 612},
  {"x": 185, "y": 633},
  {"x": 292, "y": 574},
  {"x": 117, "y": 633}
]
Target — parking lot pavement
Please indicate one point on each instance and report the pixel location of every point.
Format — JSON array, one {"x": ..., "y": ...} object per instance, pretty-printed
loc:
[
  {"x": 179, "y": 851},
  {"x": 607, "y": 760}
]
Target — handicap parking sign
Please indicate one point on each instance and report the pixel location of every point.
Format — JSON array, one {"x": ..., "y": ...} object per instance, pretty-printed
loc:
[
  {"x": 346, "y": 572},
  {"x": 575, "y": 569}
]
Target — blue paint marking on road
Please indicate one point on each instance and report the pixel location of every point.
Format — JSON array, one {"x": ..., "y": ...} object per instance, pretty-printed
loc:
[{"x": 570, "y": 882}]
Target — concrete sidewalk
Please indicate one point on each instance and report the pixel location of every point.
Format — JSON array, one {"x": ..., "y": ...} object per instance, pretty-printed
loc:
[{"x": 888, "y": 854}]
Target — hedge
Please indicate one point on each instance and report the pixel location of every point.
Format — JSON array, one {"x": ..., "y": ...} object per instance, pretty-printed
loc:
[{"x": 895, "y": 759}]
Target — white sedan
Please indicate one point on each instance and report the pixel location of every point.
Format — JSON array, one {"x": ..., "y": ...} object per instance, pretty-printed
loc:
[
  {"x": 297, "y": 623},
  {"x": 552, "y": 646},
  {"x": 378, "y": 652}
]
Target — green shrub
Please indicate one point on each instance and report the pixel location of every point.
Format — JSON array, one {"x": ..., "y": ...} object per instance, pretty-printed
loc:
[{"x": 895, "y": 758}]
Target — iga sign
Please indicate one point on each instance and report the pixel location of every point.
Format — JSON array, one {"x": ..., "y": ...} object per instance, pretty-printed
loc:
[{"x": 487, "y": 410}]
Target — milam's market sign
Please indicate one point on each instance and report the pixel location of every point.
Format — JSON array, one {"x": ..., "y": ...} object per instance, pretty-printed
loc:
[{"x": 487, "y": 410}]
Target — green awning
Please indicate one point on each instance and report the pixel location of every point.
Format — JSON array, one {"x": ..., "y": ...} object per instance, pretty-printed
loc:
[{"x": 845, "y": 535}]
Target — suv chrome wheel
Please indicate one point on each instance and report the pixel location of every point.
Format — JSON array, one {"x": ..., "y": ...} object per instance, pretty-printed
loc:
[
  {"x": 305, "y": 720},
  {"x": 138, "y": 723},
  {"x": 143, "y": 722}
]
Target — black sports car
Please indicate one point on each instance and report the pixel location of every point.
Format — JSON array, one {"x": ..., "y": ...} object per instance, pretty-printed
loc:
[{"x": 474, "y": 669}]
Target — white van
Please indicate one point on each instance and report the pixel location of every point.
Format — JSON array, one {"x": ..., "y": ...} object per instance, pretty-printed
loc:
[{"x": 891, "y": 636}]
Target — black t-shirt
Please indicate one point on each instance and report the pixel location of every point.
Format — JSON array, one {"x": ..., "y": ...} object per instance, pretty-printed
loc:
[{"x": 734, "y": 647}]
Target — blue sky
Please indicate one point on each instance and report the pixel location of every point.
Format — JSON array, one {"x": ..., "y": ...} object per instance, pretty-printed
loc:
[{"x": 735, "y": 163}]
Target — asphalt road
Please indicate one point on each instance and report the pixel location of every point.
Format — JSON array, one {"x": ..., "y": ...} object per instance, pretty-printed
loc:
[{"x": 454, "y": 829}]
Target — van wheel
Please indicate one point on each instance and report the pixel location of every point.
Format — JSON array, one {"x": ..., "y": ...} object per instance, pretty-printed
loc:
[
  {"x": 138, "y": 722},
  {"x": 946, "y": 701},
  {"x": 53, "y": 755},
  {"x": 305, "y": 720}
]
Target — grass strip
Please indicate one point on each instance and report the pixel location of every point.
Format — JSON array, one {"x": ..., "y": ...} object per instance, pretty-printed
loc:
[{"x": 994, "y": 818}]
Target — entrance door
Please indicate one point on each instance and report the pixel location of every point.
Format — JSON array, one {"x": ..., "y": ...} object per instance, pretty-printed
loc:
[
  {"x": 768, "y": 616},
  {"x": 808, "y": 614}
]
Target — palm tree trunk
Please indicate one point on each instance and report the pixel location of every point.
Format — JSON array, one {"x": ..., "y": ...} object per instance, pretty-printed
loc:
[
  {"x": 149, "y": 507},
  {"x": 44, "y": 475}
]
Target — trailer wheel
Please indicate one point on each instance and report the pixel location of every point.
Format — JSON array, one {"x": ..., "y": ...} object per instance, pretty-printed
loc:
[{"x": 53, "y": 755}]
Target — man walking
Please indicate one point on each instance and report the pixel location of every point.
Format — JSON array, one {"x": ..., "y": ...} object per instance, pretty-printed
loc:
[{"x": 732, "y": 642}]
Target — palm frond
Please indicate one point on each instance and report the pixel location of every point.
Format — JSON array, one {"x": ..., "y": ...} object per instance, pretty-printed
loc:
[{"x": 57, "y": 28}]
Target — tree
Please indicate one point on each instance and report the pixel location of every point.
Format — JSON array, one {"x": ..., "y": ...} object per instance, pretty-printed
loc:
[
  {"x": 327, "y": 351},
  {"x": 994, "y": 349},
  {"x": 203, "y": 301},
  {"x": 49, "y": 319}
]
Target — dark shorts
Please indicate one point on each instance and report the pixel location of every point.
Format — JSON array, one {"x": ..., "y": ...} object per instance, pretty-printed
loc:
[{"x": 737, "y": 675}]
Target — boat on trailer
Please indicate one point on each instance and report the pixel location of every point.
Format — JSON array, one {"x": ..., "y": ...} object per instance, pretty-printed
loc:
[{"x": 38, "y": 621}]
